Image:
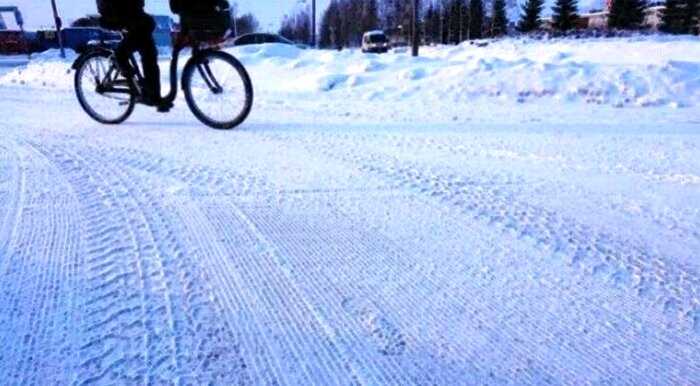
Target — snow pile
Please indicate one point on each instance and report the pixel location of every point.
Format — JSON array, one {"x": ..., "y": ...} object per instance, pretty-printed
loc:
[
  {"x": 47, "y": 69},
  {"x": 641, "y": 71},
  {"x": 634, "y": 71}
]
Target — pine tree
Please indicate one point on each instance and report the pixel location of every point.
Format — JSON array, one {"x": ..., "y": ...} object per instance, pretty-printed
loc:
[
  {"x": 499, "y": 20},
  {"x": 456, "y": 14},
  {"x": 476, "y": 19},
  {"x": 692, "y": 16},
  {"x": 626, "y": 14},
  {"x": 330, "y": 26},
  {"x": 564, "y": 16},
  {"x": 370, "y": 17},
  {"x": 445, "y": 15},
  {"x": 530, "y": 20},
  {"x": 673, "y": 18},
  {"x": 432, "y": 24}
]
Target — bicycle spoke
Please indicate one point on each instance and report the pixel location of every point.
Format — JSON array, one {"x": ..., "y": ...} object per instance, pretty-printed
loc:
[
  {"x": 218, "y": 91},
  {"x": 95, "y": 82}
]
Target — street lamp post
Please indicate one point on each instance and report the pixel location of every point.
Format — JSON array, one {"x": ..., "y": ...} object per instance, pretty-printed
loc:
[
  {"x": 59, "y": 25},
  {"x": 415, "y": 36}
]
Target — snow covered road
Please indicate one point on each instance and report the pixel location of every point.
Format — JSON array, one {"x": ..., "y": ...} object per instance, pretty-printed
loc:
[
  {"x": 159, "y": 252},
  {"x": 309, "y": 248}
]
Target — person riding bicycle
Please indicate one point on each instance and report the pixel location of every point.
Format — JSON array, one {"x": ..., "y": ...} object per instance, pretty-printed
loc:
[
  {"x": 129, "y": 16},
  {"x": 217, "y": 88}
]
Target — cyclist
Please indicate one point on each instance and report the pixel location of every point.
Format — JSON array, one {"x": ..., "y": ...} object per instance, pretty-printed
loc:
[{"x": 129, "y": 16}]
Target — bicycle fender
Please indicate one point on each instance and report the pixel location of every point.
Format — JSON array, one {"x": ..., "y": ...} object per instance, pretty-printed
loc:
[
  {"x": 192, "y": 61},
  {"x": 79, "y": 62}
]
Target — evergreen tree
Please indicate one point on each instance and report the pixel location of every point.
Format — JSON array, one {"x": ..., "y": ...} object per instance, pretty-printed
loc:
[
  {"x": 330, "y": 23},
  {"x": 476, "y": 19},
  {"x": 455, "y": 25},
  {"x": 626, "y": 14},
  {"x": 370, "y": 17},
  {"x": 673, "y": 18},
  {"x": 297, "y": 28},
  {"x": 247, "y": 23},
  {"x": 445, "y": 15},
  {"x": 432, "y": 24},
  {"x": 692, "y": 16},
  {"x": 530, "y": 20},
  {"x": 565, "y": 15},
  {"x": 499, "y": 20}
]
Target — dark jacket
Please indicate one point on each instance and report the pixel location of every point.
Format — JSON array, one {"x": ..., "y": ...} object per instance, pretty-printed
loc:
[
  {"x": 184, "y": 7},
  {"x": 116, "y": 13}
]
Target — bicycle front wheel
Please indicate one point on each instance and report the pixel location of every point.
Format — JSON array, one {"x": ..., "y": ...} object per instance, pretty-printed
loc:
[
  {"x": 101, "y": 89},
  {"x": 218, "y": 89}
]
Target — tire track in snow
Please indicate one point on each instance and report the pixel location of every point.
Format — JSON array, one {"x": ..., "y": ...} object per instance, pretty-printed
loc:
[
  {"x": 303, "y": 349},
  {"x": 284, "y": 239},
  {"x": 672, "y": 289},
  {"x": 39, "y": 274},
  {"x": 408, "y": 176},
  {"x": 503, "y": 292},
  {"x": 343, "y": 271},
  {"x": 200, "y": 180},
  {"x": 364, "y": 327},
  {"x": 563, "y": 161},
  {"x": 11, "y": 190},
  {"x": 147, "y": 322}
]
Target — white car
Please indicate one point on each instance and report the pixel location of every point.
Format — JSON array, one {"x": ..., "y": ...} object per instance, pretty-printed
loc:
[{"x": 375, "y": 41}]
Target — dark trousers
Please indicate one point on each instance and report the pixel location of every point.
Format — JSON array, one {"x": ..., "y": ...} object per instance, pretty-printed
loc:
[{"x": 139, "y": 38}]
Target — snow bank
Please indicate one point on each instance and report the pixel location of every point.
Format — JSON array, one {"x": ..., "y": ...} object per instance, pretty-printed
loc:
[
  {"x": 46, "y": 69},
  {"x": 635, "y": 71}
]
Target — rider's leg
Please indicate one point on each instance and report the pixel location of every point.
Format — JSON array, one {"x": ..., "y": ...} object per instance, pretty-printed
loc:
[
  {"x": 124, "y": 51},
  {"x": 149, "y": 57},
  {"x": 139, "y": 38}
]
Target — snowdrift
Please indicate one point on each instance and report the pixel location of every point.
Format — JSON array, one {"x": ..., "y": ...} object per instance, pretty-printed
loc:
[{"x": 641, "y": 71}]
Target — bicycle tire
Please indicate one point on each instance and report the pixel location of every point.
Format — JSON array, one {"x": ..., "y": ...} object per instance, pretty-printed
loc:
[
  {"x": 86, "y": 106},
  {"x": 192, "y": 103}
]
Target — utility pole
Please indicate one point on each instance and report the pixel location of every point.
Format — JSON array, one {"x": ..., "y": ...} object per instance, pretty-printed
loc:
[
  {"x": 313, "y": 23},
  {"x": 415, "y": 34},
  {"x": 59, "y": 25}
]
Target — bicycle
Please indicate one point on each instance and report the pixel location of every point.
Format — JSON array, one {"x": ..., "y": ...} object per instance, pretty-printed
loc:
[{"x": 217, "y": 87}]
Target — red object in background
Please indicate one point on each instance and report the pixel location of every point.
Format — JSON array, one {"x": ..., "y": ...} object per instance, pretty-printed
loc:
[{"x": 13, "y": 43}]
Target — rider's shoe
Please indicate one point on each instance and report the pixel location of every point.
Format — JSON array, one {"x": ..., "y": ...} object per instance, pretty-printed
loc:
[{"x": 164, "y": 106}]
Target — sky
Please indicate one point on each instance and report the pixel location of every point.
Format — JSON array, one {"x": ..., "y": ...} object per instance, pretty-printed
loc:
[{"x": 37, "y": 13}]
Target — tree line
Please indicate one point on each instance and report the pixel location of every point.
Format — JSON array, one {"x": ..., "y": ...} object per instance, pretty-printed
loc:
[{"x": 454, "y": 21}]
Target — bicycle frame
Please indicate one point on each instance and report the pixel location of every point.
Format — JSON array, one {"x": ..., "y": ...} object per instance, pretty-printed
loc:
[{"x": 181, "y": 43}]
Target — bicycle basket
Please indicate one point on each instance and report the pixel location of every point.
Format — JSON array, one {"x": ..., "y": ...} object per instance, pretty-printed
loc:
[{"x": 207, "y": 26}]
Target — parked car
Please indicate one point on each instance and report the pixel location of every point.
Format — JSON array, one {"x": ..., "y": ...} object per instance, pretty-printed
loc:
[
  {"x": 264, "y": 38},
  {"x": 375, "y": 41},
  {"x": 16, "y": 40}
]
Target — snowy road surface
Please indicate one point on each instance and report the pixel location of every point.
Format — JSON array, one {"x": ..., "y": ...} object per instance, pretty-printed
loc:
[
  {"x": 162, "y": 251},
  {"x": 306, "y": 248}
]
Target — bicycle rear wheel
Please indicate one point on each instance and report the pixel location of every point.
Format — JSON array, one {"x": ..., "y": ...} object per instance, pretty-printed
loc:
[
  {"x": 101, "y": 89},
  {"x": 218, "y": 89}
]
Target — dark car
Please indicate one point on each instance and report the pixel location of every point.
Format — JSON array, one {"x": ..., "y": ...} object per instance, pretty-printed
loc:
[{"x": 263, "y": 38}]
